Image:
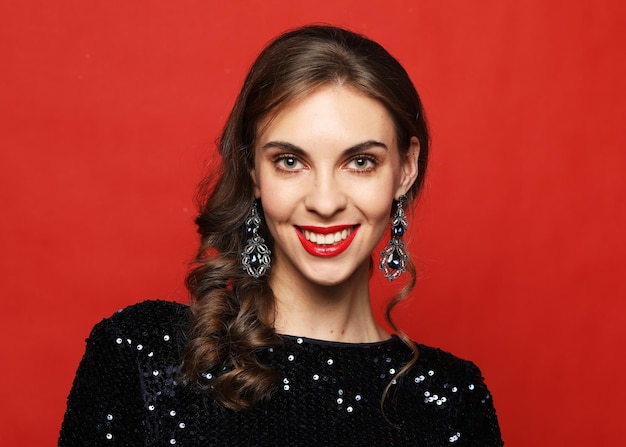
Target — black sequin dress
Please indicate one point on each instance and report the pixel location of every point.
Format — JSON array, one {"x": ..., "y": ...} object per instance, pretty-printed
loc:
[{"x": 126, "y": 393}]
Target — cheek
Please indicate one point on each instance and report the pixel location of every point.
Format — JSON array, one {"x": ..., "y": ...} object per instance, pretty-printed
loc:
[
  {"x": 274, "y": 212},
  {"x": 381, "y": 221},
  {"x": 380, "y": 215},
  {"x": 278, "y": 203},
  {"x": 376, "y": 199},
  {"x": 378, "y": 220}
]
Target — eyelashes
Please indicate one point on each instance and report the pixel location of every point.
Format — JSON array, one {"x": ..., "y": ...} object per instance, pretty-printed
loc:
[
  {"x": 360, "y": 163},
  {"x": 287, "y": 162}
]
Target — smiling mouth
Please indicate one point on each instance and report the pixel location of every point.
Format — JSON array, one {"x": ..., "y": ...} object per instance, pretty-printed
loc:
[
  {"x": 329, "y": 238},
  {"x": 327, "y": 241}
]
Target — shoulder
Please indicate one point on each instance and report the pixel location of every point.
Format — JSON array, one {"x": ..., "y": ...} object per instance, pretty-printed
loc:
[
  {"x": 439, "y": 377},
  {"x": 148, "y": 314},
  {"x": 446, "y": 371},
  {"x": 154, "y": 320},
  {"x": 436, "y": 359},
  {"x": 123, "y": 353},
  {"x": 453, "y": 393}
]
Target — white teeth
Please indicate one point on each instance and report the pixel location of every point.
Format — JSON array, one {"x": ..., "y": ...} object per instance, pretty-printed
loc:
[{"x": 327, "y": 239}]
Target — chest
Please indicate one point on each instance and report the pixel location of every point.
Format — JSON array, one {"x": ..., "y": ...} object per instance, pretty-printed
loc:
[{"x": 321, "y": 399}]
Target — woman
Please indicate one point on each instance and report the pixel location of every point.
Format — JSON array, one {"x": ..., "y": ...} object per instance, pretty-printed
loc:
[{"x": 326, "y": 141}]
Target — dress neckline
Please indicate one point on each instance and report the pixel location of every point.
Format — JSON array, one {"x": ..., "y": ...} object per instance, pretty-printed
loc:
[{"x": 340, "y": 344}]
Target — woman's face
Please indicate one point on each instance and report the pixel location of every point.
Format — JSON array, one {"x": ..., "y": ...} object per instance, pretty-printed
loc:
[{"x": 327, "y": 169}]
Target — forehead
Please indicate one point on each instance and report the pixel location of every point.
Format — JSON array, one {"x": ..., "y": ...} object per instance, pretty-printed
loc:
[{"x": 331, "y": 112}]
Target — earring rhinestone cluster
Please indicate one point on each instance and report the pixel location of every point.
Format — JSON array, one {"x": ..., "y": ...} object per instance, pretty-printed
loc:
[
  {"x": 255, "y": 257},
  {"x": 393, "y": 257}
]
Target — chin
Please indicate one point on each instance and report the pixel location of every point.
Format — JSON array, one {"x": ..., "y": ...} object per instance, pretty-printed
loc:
[
  {"x": 329, "y": 282},
  {"x": 332, "y": 278}
]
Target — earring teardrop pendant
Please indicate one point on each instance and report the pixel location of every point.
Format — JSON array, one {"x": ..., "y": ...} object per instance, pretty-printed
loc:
[
  {"x": 255, "y": 257},
  {"x": 394, "y": 256}
]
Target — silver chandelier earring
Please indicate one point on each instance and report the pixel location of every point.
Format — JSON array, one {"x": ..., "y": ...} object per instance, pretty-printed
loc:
[
  {"x": 255, "y": 257},
  {"x": 393, "y": 257}
]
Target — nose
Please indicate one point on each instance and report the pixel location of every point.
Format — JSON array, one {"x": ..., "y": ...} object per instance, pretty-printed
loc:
[{"x": 326, "y": 197}]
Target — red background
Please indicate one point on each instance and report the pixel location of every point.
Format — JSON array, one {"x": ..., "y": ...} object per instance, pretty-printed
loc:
[{"x": 109, "y": 111}]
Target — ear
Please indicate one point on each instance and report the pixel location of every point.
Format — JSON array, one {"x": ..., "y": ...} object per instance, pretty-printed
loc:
[
  {"x": 255, "y": 183},
  {"x": 409, "y": 167}
]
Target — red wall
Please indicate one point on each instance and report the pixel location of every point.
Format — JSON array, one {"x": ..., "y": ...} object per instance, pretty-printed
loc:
[{"x": 109, "y": 110}]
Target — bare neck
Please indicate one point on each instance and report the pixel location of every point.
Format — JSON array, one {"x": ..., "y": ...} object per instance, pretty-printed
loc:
[{"x": 340, "y": 312}]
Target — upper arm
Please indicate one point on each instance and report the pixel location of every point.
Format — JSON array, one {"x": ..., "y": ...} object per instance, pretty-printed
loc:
[
  {"x": 104, "y": 406},
  {"x": 480, "y": 415}
]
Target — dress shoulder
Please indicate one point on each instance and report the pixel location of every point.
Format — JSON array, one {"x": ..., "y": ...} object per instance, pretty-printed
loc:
[
  {"x": 108, "y": 400},
  {"x": 153, "y": 321},
  {"x": 454, "y": 367},
  {"x": 454, "y": 387},
  {"x": 147, "y": 315}
]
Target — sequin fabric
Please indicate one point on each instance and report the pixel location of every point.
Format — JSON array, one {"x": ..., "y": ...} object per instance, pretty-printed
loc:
[{"x": 126, "y": 393}]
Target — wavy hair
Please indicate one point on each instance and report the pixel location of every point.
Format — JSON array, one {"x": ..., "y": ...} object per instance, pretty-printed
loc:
[{"x": 231, "y": 312}]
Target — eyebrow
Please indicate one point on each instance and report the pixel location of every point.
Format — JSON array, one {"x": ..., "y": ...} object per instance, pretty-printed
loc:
[{"x": 350, "y": 151}]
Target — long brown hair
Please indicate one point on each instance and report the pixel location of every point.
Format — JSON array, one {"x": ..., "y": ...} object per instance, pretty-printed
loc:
[{"x": 232, "y": 313}]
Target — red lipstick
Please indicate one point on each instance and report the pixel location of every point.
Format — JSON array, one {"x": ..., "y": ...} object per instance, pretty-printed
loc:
[{"x": 326, "y": 250}]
